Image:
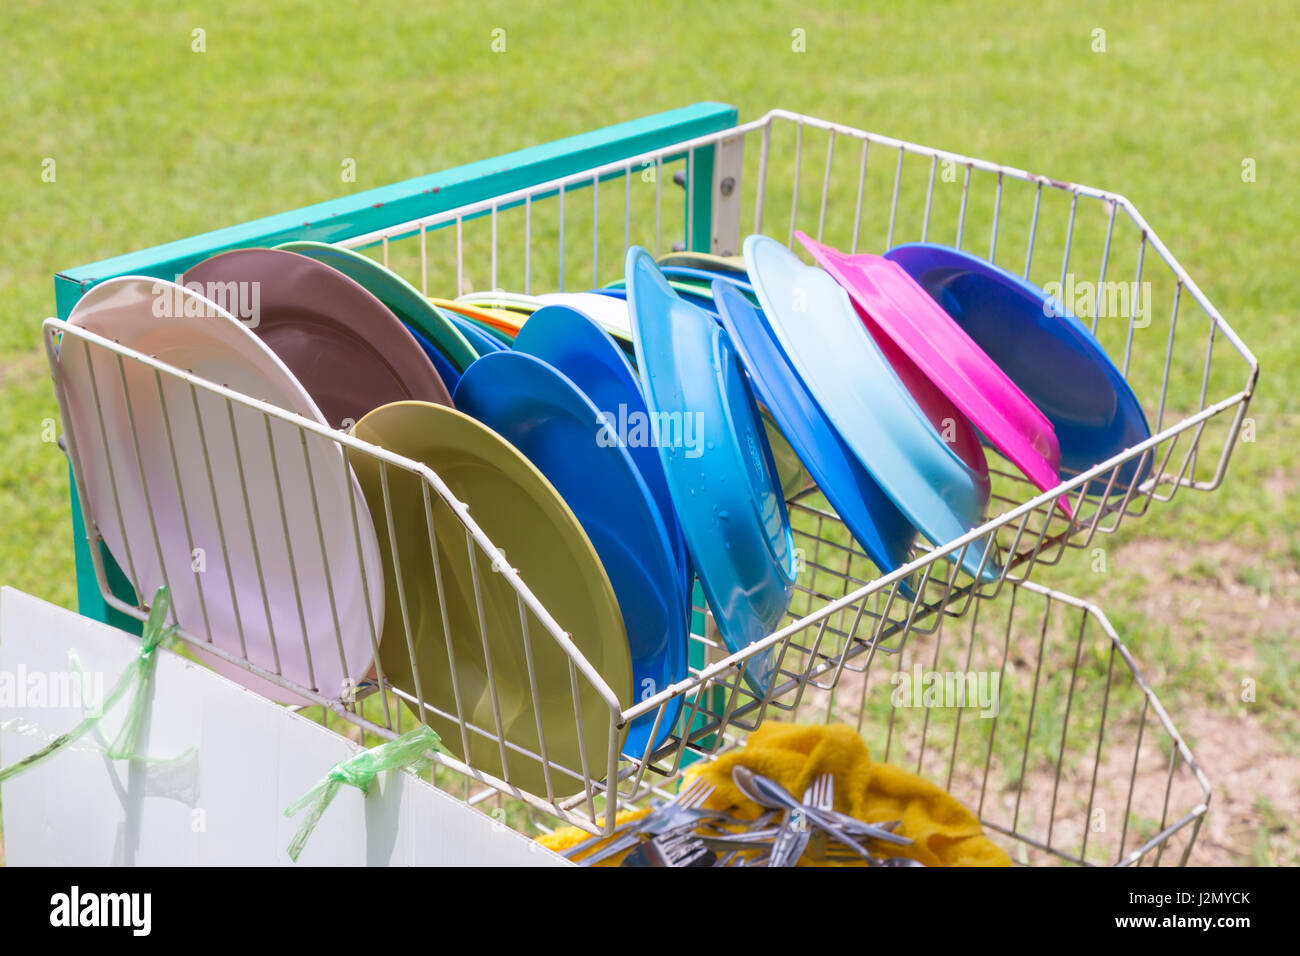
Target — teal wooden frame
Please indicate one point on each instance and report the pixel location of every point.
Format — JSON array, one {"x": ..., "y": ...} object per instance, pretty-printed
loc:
[{"x": 374, "y": 209}]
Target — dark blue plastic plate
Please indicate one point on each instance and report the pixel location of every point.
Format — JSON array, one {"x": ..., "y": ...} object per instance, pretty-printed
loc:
[
  {"x": 577, "y": 347},
  {"x": 446, "y": 371},
  {"x": 482, "y": 343},
  {"x": 871, "y": 517}
]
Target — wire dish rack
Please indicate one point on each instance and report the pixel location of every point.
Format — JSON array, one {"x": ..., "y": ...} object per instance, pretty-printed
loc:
[{"x": 1081, "y": 762}]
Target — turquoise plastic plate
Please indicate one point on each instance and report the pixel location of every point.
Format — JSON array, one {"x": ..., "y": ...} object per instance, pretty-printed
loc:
[
  {"x": 720, "y": 470},
  {"x": 941, "y": 494}
]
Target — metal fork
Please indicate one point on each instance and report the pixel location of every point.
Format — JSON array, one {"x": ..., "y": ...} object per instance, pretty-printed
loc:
[
  {"x": 676, "y": 850},
  {"x": 875, "y": 831},
  {"x": 619, "y": 839},
  {"x": 692, "y": 796},
  {"x": 795, "y": 831},
  {"x": 824, "y": 850}
]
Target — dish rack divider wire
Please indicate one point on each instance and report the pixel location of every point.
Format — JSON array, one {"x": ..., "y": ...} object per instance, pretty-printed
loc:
[{"x": 1060, "y": 732}]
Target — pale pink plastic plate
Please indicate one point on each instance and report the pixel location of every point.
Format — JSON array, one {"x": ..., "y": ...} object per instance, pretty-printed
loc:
[
  {"x": 278, "y": 562},
  {"x": 891, "y": 302}
]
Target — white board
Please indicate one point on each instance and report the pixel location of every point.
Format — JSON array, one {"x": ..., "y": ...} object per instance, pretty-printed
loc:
[{"x": 242, "y": 760}]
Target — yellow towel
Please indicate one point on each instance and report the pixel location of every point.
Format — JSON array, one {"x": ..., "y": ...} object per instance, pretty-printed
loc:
[{"x": 944, "y": 832}]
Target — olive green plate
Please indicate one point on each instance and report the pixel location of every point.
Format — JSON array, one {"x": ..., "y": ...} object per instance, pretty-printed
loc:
[
  {"x": 789, "y": 469},
  {"x": 524, "y": 516},
  {"x": 401, "y": 298},
  {"x": 734, "y": 265}
]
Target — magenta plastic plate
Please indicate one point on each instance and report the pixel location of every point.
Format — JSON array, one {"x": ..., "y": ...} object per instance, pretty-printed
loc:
[{"x": 891, "y": 302}]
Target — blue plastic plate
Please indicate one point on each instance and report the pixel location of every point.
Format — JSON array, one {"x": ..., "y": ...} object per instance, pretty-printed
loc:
[
  {"x": 869, "y": 514},
  {"x": 544, "y": 415},
  {"x": 1052, "y": 356},
  {"x": 480, "y": 341},
  {"x": 703, "y": 275},
  {"x": 446, "y": 371},
  {"x": 720, "y": 471},
  {"x": 813, "y": 320},
  {"x": 577, "y": 347},
  {"x": 693, "y": 285},
  {"x": 685, "y": 290},
  {"x": 491, "y": 331},
  {"x": 793, "y": 476},
  {"x": 721, "y": 265}
]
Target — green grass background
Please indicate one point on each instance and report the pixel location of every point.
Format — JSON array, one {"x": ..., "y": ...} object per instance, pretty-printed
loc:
[{"x": 153, "y": 142}]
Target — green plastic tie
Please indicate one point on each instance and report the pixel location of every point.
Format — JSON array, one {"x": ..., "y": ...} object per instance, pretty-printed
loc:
[
  {"x": 408, "y": 751},
  {"x": 136, "y": 680}
]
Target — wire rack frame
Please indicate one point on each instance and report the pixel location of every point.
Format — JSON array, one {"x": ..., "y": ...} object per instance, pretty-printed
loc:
[
  {"x": 1076, "y": 733},
  {"x": 1028, "y": 531},
  {"x": 848, "y": 611},
  {"x": 1173, "y": 453},
  {"x": 1079, "y": 762}
]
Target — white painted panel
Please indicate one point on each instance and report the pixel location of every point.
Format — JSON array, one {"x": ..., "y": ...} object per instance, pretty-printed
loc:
[{"x": 223, "y": 803}]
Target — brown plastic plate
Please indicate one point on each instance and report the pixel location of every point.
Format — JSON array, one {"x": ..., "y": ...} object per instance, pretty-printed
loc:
[{"x": 344, "y": 346}]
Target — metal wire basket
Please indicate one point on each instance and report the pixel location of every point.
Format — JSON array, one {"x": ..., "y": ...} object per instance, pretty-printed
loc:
[
  {"x": 860, "y": 191},
  {"x": 1033, "y": 713}
]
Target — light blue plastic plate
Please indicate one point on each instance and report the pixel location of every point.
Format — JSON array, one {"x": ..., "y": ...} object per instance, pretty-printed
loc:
[
  {"x": 852, "y": 382},
  {"x": 869, "y": 514}
]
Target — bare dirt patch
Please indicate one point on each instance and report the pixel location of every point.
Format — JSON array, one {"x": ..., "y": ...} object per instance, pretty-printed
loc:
[{"x": 1219, "y": 593}]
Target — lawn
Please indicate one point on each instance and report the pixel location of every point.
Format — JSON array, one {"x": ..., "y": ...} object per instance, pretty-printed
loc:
[{"x": 120, "y": 134}]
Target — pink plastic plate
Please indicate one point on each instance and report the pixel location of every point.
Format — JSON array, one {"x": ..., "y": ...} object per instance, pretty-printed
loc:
[{"x": 891, "y": 302}]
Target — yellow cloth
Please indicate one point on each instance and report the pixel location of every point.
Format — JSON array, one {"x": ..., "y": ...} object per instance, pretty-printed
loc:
[
  {"x": 566, "y": 837},
  {"x": 944, "y": 832}
]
